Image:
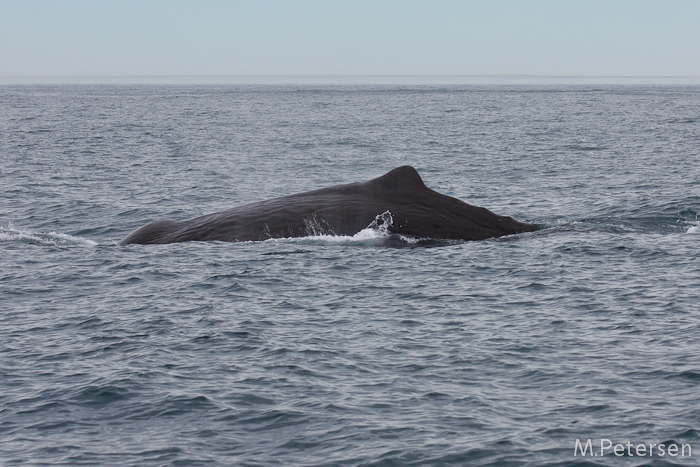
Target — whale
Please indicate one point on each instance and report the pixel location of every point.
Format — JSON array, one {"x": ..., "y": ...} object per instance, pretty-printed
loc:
[{"x": 398, "y": 202}]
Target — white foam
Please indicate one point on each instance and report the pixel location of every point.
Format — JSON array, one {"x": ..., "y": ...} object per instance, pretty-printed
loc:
[
  {"x": 376, "y": 233},
  {"x": 363, "y": 237},
  {"x": 694, "y": 229},
  {"x": 409, "y": 240},
  {"x": 12, "y": 234}
]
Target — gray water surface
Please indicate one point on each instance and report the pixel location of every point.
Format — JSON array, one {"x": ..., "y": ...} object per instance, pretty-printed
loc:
[{"x": 364, "y": 350}]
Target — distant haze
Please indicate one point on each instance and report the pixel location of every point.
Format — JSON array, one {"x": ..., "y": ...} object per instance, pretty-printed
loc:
[{"x": 341, "y": 41}]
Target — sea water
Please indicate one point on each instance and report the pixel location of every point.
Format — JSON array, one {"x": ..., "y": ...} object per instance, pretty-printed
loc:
[{"x": 361, "y": 350}]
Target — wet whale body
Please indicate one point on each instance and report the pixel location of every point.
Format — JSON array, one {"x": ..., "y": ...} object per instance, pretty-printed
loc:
[{"x": 398, "y": 201}]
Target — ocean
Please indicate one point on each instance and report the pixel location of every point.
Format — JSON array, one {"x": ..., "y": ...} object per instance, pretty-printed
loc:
[{"x": 362, "y": 350}]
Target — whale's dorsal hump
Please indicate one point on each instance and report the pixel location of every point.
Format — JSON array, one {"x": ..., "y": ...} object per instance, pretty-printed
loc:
[{"x": 401, "y": 178}]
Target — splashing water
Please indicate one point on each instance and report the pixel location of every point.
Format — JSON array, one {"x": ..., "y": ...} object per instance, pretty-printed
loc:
[
  {"x": 12, "y": 234},
  {"x": 316, "y": 227},
  {"x": 381, "y": 223},
  {"x": 319, "y": 232}
]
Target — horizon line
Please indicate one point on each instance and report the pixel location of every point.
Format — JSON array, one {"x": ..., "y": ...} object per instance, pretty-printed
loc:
[{"x": 349, "y": 79}]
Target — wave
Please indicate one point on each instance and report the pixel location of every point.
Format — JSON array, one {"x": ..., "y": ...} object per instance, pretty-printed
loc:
[
  {"x": 12, "y": 234},
  {"x": 686, "y": 221}
]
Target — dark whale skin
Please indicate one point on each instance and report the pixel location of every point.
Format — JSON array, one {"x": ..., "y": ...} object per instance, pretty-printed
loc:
[{"x": 416, "y": 211}]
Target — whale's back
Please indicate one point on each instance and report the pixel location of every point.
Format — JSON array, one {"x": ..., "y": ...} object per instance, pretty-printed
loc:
[{"x": 346, "y": 209}]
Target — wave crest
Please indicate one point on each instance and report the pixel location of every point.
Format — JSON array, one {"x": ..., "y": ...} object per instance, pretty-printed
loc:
[{"x": 12, "y": 234}]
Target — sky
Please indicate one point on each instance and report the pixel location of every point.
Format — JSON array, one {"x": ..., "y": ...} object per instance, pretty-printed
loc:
[{"x": 161, "y": 38}]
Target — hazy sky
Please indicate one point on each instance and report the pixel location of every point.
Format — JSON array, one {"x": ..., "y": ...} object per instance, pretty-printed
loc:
[{"x": 349, "y": 37}]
